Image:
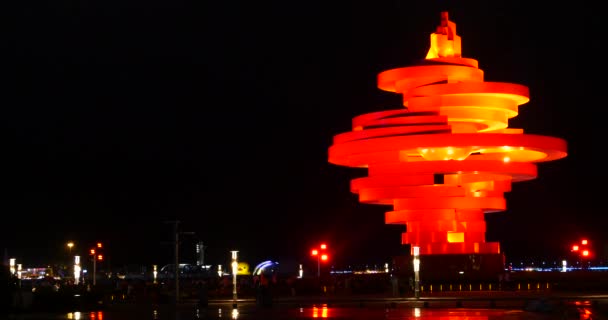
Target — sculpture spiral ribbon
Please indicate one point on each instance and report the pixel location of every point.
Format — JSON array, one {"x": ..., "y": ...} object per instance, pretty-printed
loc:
[{"x": 448, "y": 157}]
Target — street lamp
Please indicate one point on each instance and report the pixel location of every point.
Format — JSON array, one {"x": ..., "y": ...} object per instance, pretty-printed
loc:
[
  {"x": 321, "y": 256},
  {"x": 77, "y": 270},
  {"x": 70, "y": 245},
  {"x": 12, "y": 266},
  {"x": 19, "y": 270},
  {"x": 235, "y": 269},
  {"x": 154, "y": 273},
  {"x": 416, "y": 251}
]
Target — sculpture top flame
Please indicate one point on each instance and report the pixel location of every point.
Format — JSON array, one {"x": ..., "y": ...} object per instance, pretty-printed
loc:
[
  {"x": 449, "y": 156},
  {"x": 445, "y": 43}
]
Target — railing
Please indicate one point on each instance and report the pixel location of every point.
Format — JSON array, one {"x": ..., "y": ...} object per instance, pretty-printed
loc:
[{"x": 516, "y": 286}]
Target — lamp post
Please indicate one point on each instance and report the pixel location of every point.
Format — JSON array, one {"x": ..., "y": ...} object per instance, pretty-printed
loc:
[
  {"x": 416, "y": 251},
  {"x": 12, "y": 265},
  {"x": 70, "y": 245},
  {"x": 154, "y": 273},
  {"x": 176, "y": 242},
  {"x": 19, "y": 270},
  {"x": 76, "y": 270},
  {"x": 235, "y": 269}
]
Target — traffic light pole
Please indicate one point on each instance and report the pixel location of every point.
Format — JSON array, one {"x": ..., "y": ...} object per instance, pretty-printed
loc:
[
  {"x": 318, "y": 266},
  {"x": 320, "y": 256},
  {"x": 95, "y": 255},
  {"x": 94, "y": 270}
]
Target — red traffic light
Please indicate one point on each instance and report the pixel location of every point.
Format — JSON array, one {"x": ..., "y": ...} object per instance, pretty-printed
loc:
[{"x": 320, "y": 253}]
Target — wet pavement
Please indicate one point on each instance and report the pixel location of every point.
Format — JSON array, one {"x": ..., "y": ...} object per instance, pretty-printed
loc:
[
  {"x": 312, "y": 312},
  {"x": 465, "y": 309}
]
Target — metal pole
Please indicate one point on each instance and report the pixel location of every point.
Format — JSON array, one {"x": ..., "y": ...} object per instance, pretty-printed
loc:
[
  {"x": 234, "y": 298},
  {"x": 94, "y": 269},
  {"x": 417, "y": 284},
  {"x": 318, "y": 266},
  {"x": 176, "y": 251},
  {"x": 175, "y": 226},
  {"x": 235, "y": 269}
]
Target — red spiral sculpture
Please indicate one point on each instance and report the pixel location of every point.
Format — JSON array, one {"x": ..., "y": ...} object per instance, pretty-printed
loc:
[{"x": 448, "y": 157}]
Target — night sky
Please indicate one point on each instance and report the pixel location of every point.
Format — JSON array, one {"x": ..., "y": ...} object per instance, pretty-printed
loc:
[{"x": 120, "y": 116}]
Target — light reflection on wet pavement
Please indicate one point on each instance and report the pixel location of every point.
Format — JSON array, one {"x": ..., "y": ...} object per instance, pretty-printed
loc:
[{"x": 572, "y": 310}]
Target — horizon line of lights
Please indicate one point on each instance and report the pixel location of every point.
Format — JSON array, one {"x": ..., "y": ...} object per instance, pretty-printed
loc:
[{"x": 568, "y": 269}]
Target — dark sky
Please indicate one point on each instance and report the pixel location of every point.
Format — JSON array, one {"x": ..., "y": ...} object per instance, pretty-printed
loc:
[{"x": 118, "y": 116}]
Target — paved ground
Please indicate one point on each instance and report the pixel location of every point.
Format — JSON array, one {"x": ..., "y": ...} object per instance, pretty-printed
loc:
[
  {"x": 455, "y": 306},
  {"x": 447, "y": 299}
]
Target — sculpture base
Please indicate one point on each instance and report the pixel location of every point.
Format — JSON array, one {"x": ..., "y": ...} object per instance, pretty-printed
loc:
[{"x": 453, "y": 267}]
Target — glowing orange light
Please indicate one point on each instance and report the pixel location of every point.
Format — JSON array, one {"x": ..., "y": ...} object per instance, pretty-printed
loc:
[
  {"x": 584, "y": 242},
  {"x": 574, "y": 248},
  {"x": 98, "y": 244},
  {"x": 324, "y": 257},
  {"x": 99, "y": 257},
  {"x": 323, "y": 246},
  {"x": 448, "y": 157},
  {"x": 92, "y": 252},
  {"x": 455, "y": 237},
  {"x": 585, "y": 253},
  {"x": 314, "y": 252}
]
